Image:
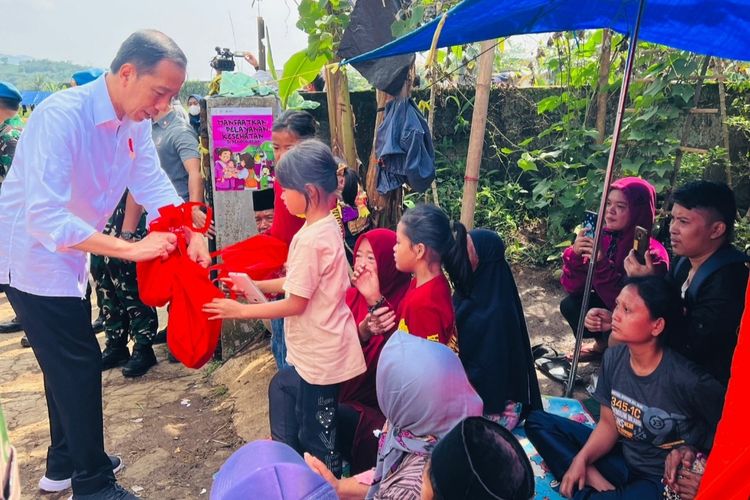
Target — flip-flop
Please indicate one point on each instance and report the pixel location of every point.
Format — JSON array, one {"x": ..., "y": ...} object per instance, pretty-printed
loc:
[
  {"x": 543, "y": 351},
  {"x": 557, "y": 369}
]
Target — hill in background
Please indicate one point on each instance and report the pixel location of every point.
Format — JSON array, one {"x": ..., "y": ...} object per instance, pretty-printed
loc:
[{"x": 27, "y": 73}]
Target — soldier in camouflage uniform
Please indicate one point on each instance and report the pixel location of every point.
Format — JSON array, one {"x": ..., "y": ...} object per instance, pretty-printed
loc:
[
  {"x": 10, "y": 131},
  {"x": 124, "y": 313}
]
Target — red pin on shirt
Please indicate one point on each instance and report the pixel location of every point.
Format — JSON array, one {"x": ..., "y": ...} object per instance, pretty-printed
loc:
[{"x": 131, "y": 148}]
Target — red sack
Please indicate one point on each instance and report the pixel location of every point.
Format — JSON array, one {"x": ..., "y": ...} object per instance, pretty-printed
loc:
[
  {"x": 192, "y": 336},
  {"x": 261, "y": 257}
]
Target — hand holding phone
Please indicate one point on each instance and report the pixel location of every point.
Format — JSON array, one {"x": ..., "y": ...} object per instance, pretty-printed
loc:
[
  {"x": 248, "y": 287},
  {"x": 589, "y": 223},
  {"x": 640, "y": 244}
]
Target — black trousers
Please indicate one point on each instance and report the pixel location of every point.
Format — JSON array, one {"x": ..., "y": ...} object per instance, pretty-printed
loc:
[
  {"x": 570, "y": 307},
  {"x": 60, "y": 334},
  {"x": 305, "y": 416},
  {"x": 558, "y": 440}
]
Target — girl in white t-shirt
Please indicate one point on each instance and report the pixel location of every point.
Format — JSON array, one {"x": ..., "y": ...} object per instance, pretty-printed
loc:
[{"x": 321, "y": 336}]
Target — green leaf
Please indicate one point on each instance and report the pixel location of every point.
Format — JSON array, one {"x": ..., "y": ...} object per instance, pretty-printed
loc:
[
  {"x": 296, "y": 101},
  {"x": 684, "y": 92},
  {"x": 269, "y": 57},
  {"x": 506, "y": 151},
  {"x": 550, "y": 103},
  {"x": 299, "y": 70},
  {"x": 526, "y": 163}
]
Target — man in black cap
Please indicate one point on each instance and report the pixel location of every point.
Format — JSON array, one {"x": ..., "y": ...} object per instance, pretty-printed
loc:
[
  {"x": 478, "y": 460},
  {"x": 263, "y": 206},
  {"x": 10, "y": 131}
]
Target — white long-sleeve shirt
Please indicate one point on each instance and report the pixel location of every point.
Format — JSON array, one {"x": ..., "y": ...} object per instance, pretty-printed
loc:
[{"x": 72, "y": 165}]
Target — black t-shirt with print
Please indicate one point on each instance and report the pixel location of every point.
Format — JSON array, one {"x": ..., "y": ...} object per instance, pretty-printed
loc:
[{"x": 676, "y": 402}]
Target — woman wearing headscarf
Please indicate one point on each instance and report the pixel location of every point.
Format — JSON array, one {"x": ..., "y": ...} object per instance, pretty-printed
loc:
[
  {"x": 493, "y": 340},
  {"x": 377, "y": 291},
  {"x": 423, "y": 392},
  {"x": 194, "y": 112},
  {"x": 631, "y": 202}
]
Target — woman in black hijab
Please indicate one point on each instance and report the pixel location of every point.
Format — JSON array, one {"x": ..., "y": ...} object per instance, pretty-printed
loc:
[{"x": 493, "y": 341}]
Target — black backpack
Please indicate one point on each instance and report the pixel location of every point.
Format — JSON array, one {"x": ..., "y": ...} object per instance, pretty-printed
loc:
[{"x": 722, "y": 257}]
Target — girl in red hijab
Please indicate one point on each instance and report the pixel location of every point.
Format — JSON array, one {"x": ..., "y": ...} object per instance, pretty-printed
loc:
[{"x": 378, "y": 288}]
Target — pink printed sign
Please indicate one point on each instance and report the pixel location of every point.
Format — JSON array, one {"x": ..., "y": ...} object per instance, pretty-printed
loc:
[{"x": 243, "y": 152}]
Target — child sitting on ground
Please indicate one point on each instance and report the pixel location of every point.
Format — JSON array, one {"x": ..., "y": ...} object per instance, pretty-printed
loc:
[{"x": 426, "y": 241}]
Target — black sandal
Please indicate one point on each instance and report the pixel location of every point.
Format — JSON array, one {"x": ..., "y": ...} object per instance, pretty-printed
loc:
[{"x": 557, "y": 369}]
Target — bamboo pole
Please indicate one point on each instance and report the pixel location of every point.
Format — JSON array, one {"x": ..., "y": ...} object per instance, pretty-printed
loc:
[
  {"x": 476, "y": 138},
  {"x": 724, "y": 125},
  {"x": 605, "y": 62}
]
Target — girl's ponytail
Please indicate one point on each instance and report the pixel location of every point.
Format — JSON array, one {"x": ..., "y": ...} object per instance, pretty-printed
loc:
[
  {"x": 430, "y": 225},
  {"x": 456, "y": 261}
]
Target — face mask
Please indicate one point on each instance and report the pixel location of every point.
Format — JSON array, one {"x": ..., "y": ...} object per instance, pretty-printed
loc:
[{"x": 194, "y": 110}]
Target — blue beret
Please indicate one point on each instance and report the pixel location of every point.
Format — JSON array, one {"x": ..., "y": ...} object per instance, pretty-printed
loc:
[
  {"x": 9, "y": 91},
  {"x": 87, "y": 75}
]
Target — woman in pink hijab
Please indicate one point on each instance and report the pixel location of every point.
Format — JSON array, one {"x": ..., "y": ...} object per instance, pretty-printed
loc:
[{"x": 631, "y": 202}]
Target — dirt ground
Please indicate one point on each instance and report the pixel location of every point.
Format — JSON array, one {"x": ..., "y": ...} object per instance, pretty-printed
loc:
[{"x": 175, "y": 426}]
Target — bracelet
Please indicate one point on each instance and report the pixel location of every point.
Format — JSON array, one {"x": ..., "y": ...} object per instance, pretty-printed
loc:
[
  {"x": 128, "y": 236},
  {"x": 377, "y": 304}
]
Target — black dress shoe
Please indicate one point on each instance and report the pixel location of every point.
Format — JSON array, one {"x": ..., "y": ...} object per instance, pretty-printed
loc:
[
  {"x": 141, "y": 361},
  {"x": 112, "y": 492},
  {"x": 160, "y": 338},
  {"x": 11, "y": 326},
  {"x": 98, "y": 324},
  {"x": 114, "y": 356},
  {"x": 25, "y": 341}
]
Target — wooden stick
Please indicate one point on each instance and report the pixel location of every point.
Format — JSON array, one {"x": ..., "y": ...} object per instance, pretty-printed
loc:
[{"x": 476, "y": 138}]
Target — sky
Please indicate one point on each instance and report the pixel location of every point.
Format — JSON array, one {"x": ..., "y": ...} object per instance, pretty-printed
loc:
[{"x": 89, "y": 32}]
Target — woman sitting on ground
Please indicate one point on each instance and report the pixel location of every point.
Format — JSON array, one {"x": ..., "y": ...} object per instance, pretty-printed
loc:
[
  {"x": 652, "y": 400},
  {"x": 377, "y": 291},
  {"x": 423, "y": 392},
  {"x": 493, "y": 342},
  {"x": 631, "y": 202}
]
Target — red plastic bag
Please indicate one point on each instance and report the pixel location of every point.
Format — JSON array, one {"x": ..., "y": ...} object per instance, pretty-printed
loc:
[
  {"x": 192, "y": 336},
  {"x": 261, "y": 257}
]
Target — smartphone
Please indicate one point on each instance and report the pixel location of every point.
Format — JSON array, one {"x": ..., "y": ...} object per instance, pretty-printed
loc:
[
  {"x": 248, "y": 287},
  {"x": 640, "y": 243},
  {"x": 589, "y": 223}
]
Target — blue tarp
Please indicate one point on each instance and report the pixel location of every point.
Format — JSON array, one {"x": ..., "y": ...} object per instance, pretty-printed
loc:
[
  {"x": 715, "y": 27},
  {"x": 29, "y": 97}
]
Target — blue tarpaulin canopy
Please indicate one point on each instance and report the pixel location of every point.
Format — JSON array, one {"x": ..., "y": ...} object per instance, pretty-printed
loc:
[
  {"x": 715, "y": 27},
  {"x": 29, "y": 97}
]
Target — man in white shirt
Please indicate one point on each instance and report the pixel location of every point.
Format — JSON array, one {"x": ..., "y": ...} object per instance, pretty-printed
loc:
[{"x": 81, "y": 149}]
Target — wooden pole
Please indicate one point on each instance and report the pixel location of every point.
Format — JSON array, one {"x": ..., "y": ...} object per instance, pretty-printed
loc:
[
  {"x": 605, "y": 62},
  {"x": 724, "y": 125},
  {"x": 476, "y": 138},
  {"x": 261, "y": 45},
  {"x": 431, "y": 122},
  {"x": 340, "y": 116}
]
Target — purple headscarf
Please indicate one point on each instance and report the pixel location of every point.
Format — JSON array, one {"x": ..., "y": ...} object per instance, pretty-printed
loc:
[
  {"x": 423, "y": 392},
  {"x": 269, "y": 470}
]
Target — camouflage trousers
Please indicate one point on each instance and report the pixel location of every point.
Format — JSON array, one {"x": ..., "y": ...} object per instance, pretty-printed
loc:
[{"x": 124, "y": 314}]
